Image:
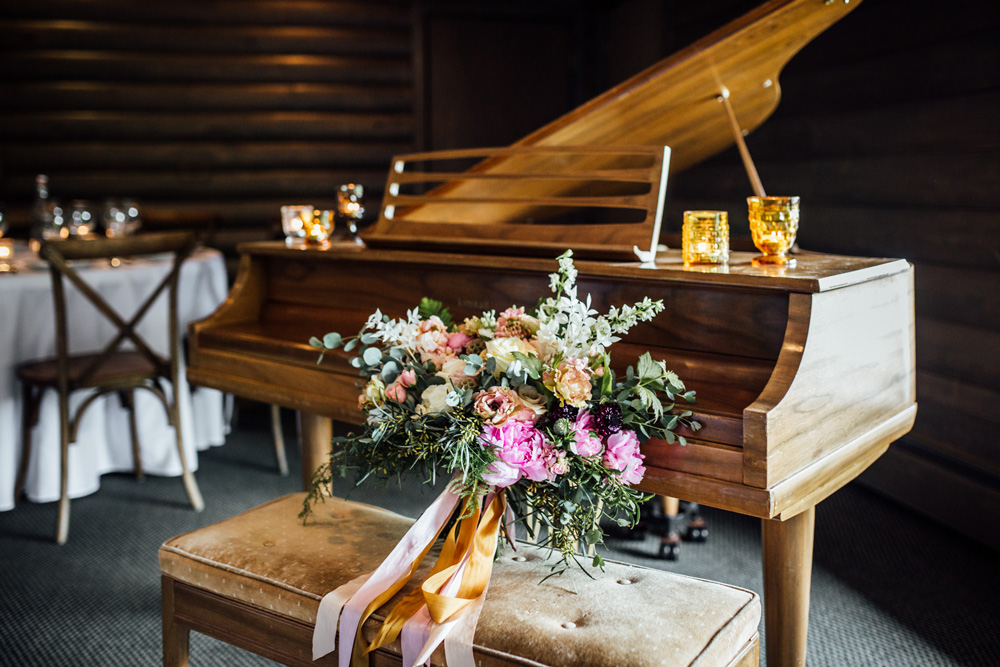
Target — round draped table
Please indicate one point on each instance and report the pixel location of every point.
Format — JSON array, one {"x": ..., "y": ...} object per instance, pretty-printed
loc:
[{"x": 27, "y": 332}]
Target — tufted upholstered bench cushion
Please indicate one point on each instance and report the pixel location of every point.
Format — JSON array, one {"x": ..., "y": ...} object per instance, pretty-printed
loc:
[{"x": 255, "y": 580}]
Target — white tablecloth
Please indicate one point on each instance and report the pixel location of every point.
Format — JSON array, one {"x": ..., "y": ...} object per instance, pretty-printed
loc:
[{"x": 27, "y": 332}]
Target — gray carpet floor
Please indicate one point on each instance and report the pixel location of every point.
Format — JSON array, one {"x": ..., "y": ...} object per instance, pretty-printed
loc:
[{"x": 888, "y": 588}]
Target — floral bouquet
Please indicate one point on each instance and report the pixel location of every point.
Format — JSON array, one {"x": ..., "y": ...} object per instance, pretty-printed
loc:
[{"x": 522, "y": 408}]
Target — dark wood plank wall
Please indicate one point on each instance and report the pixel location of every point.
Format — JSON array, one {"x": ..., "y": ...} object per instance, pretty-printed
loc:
[
  {"x": 206, "y": 111},
  {"x": 888, "y": 131},
  {"x": 225, "y": 109}
]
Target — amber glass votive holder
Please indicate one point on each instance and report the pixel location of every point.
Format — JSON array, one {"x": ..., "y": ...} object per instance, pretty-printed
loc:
[
  {"x": 319, "y": 226},
  {"x": 705, "y": 237},
  {"x": 774, "y": 223}
]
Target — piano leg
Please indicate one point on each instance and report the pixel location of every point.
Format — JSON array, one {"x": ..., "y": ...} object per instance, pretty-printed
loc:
[
  {"x": 317, "y": 433},
  {"x": 788, "y": 553}
]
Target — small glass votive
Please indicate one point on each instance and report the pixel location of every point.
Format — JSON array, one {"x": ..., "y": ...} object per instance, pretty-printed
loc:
[
  {"x": 6, "y": 254},
  {"x": 293, "y": 223},
  {"x": 319, "y": 226},
  {"x": 705, "y": 237},
  {"x": 774, "y": 223}
]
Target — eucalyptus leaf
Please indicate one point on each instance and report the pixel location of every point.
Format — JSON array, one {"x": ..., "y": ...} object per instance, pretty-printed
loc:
[
  {"x": 351, "y": 344},
  {"x": 372, "y": 356},
  {"x": 332, "y": 340},
  {"x": 316, "y": 342}
]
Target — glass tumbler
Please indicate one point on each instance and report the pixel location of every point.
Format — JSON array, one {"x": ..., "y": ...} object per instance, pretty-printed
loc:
[
  {"x": 774, "y": 223},
  {"x": 705, "y": 237}
]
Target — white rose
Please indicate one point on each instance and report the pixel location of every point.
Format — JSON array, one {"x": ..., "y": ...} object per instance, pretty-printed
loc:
[
  {"x": 433, "y": 400},
  {"x": 533, "y": 399},
  {"x": 453, "y": 369},
  {"x": 503, "y": 349}
]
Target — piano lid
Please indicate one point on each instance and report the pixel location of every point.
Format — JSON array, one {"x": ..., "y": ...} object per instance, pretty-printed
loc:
[{"x": 675, "y": 103}]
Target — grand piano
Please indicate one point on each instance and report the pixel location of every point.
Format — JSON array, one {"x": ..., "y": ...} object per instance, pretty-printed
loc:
[{"x": 804, "y": 375}]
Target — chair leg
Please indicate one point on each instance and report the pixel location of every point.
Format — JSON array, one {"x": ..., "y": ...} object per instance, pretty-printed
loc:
[
  {"x": 62, "y": 525},
  {"x": 29, "y": 420},
  {"x": 128, "y": 400},
  {"x": 279, "y": 440},
  {"x": 190, "y": 483},
  {"x": 176, "y": 638}
]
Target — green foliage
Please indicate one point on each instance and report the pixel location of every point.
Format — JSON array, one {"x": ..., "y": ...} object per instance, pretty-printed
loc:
[{"x": 431, "y": 307}]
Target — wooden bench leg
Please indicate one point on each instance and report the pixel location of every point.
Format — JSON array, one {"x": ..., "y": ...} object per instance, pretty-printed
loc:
[
  {"x": 176, "y": 637},
  {"x": 788, "y": 554}
]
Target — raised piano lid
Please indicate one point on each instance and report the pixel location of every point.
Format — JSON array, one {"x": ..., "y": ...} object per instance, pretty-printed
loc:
[{"x": 675, "y": 103}]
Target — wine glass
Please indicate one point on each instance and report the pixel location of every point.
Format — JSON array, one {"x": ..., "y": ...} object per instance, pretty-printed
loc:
[
  {"x": 351, "y": 206},
  {"x": 113, "y": 216},
  {"x": 133, "y": 221}
]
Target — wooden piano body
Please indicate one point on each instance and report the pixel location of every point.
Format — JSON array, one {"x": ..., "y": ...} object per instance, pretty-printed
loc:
[
  {"x": 804, "y": 375},
  {"x": 802, "y": 379}
]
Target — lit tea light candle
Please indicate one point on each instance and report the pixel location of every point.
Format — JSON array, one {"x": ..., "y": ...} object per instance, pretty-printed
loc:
[{"x": 6, "y": 248}]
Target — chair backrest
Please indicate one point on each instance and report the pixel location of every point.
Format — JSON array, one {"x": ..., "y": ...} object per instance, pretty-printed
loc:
[
  {"x": 59, "y": 254},
  {"x": 602, "y": 202}
]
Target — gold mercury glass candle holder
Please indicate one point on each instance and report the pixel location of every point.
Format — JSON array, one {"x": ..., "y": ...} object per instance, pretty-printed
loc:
[
  {"x": 774, "y": 222},
  {"x": 705, "y": 237}
]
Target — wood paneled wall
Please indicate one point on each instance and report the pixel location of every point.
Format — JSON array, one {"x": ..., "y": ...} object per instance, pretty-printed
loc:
[
  {"x": 222, "y": 110},
  {"x": 204, "y": 110},
  {"x": 888, "y": 131}
]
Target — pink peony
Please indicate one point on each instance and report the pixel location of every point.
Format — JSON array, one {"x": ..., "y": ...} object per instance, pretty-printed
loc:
[
  {"x": 585, "y": 441},
  {"x": 521, "y": 447},
  {"x": 622, "y": 454},
  {"x": 501, "y": 474}
]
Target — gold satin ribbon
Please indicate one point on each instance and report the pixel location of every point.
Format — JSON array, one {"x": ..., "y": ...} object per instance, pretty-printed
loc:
[
  {"x": 359, "y": 656},
  {"x": 476, "y": 534}
]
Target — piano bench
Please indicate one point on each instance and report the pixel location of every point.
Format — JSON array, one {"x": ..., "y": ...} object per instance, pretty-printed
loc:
[{"x": 255, "y": 580}]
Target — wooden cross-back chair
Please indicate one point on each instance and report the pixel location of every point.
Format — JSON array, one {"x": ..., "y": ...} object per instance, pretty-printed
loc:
[{"x": 115, "y": 368}]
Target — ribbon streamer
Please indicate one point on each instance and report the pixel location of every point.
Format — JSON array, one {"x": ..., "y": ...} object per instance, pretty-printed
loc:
[{"x": 444, "y": 608}]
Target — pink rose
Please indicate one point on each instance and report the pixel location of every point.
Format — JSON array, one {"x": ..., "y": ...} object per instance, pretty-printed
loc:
[
  {"x": 622, "y": 454},
  {"x": 396, "y": 392},
  {"x": 523, "y": 448},
  {"x": 407, "y": 378},
  {"x": 496, "y": 405},
  {"x": 458, "y": 340},
  {"x": 570, "y": 382},
  {"x": 585, "y": 441}
]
